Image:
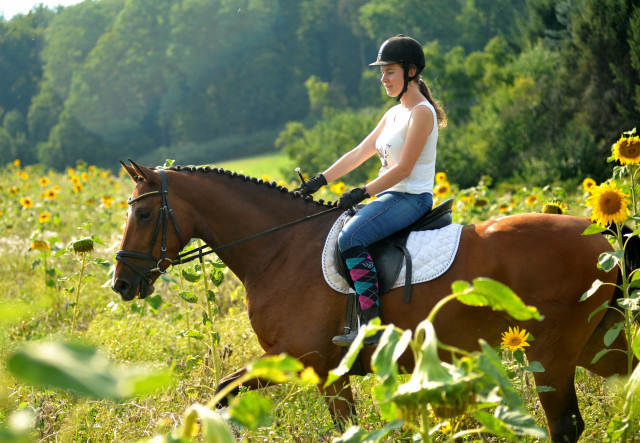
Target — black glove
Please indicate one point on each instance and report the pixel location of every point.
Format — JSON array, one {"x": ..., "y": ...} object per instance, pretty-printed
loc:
[
  {"x": 311, "y": 185},
  {"x": 352, "y": 198}
]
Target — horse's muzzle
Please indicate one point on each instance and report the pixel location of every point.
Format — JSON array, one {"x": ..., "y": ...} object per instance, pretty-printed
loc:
[{"x": 129, "y": 291}]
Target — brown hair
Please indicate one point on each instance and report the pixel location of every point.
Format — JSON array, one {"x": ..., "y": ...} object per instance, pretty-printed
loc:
[{"x": 424, "y": 89}]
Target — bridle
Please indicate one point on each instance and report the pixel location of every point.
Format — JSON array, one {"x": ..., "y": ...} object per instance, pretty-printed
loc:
[
  {"x": 166, "y": 214},
  {"x": 162, "y": 224}
]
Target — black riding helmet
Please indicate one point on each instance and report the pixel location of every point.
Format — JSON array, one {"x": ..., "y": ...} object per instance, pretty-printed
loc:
[{"x": 402, "y": 50}]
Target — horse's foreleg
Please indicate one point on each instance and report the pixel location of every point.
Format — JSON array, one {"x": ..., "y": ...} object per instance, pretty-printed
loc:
[
  {"x": 561, "y": 405},
  {"x": 339, "y": 398}
]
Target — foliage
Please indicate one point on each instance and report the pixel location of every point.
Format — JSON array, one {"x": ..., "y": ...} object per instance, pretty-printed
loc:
[{"x": 533, "y": 88}]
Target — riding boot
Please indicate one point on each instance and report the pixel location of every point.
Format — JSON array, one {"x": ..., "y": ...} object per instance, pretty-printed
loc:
[{"x": 365, "y": 281}]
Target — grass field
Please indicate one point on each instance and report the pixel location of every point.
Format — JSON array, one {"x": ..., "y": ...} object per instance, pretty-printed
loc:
[{"x": 52, "y": 293}]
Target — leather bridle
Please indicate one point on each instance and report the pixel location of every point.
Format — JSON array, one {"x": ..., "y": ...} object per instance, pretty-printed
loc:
[
  {"x": 162, "y": 224},
  {"x": 165, "y": 214}
]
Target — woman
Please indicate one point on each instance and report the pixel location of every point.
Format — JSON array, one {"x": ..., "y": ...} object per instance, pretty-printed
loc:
[{"x": 405, "y": 140}]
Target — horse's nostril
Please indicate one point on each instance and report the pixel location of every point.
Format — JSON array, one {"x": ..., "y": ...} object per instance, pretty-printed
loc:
[{"x": 120, "y": 286}]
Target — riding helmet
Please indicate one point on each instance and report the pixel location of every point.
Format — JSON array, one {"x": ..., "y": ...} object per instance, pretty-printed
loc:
[{"x": 400, "y": 49}]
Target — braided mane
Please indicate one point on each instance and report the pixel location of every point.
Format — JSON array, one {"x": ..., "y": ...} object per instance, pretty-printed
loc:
[{"x": 235, "y": 175}]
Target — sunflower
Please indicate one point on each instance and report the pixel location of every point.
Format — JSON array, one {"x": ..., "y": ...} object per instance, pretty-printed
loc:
[
  {"x": 338, "y": 188},
  {"x": 50, "y": 194},
  {"x": 554, "y": 207},
  {"x": 588, "y": 183},
  {"x": 44, "y": 181},
  {"x": 442, "y": 189},
  {"x": 75, "y": 179},
  {"x": 77, "y": 187},
  {"x": 107, "y": 200},
  {"x": 609, "y": 204},
  {"x": 13, "y": 190},
  {"x": 504, "y": 207},
  {"x": 44, "y": 217},
  {"x": 441, "y": 177},
  {"x": 627, "y": 150},
  {"x": 85, "y": 176},
  {"x": 514, "y": 339},
  {"x": 26, "y": 202},
  {"x": 16, "y": 163},
  {"x": 40, "y": 245},
  {"x": 532, "y": 199}
]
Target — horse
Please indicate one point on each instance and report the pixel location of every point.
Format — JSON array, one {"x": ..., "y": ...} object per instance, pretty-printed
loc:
[{"x": 543, "y": 258}]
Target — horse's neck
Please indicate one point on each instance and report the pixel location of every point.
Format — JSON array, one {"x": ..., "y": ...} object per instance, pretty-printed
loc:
[{"x": 233, "y": 208}]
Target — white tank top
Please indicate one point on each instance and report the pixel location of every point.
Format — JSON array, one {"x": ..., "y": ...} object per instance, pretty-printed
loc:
[{"x": 389, "y": 146}]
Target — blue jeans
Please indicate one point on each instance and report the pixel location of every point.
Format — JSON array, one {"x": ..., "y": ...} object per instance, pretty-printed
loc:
[{"x": 385, "y": 215}]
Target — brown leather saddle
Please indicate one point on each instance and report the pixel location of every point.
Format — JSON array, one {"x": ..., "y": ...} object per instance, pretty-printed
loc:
[{"x": 389, "y": 254}]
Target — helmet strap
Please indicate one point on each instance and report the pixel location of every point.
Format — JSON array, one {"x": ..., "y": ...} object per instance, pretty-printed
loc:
[{"x": 407, "y": 79}]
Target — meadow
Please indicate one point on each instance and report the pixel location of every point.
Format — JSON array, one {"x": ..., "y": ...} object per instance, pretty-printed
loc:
[{"x": 60, "y": 231}]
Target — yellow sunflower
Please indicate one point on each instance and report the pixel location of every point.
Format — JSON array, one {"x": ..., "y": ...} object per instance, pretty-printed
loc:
[
  {"x": 627, "y": 150},
  {"x": 338, "y": 188},
  {"x": 442, "y": 189},
  {"x": 554, "y": 207},
  {"x": 40, "y": 245},
  {"x": 77, "y": 187},
  {"x": 514, "y": 339},
  {"x": 504, "y": 207},
  {"x": 44, "y": 217},
  {"x": 107, "y": 200},
  {"x": 44, "y": 181},
  {"x": 532, "y": 199},
  {"x": 609, "y": 204},
  {"x": 441, "y": 177},
  {"x": 26, "y": 202},
  {"x": 588, "y": 183},
  {"x": 13, "y": 190},
  {"x": 50, "y": 194},
  {"x": 16, "y": 163}
]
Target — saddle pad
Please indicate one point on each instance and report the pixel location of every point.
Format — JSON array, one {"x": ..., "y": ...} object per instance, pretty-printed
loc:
[{"x": 432, "y": 253}]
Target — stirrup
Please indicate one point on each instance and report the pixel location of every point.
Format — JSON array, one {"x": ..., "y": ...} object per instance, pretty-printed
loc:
[{"x": 347, "y": 339}]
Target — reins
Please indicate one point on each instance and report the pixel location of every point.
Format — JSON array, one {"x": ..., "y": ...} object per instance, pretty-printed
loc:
[
  {"x": 192, "y": 254},
  {"x": 166, "y": 214}
]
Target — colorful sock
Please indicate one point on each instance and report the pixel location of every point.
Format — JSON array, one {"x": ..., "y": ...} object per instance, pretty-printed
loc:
[{"x": 364, "y": 275}]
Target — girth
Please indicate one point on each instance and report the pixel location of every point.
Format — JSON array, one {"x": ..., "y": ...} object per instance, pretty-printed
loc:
[{"x": 389, "y": 253}]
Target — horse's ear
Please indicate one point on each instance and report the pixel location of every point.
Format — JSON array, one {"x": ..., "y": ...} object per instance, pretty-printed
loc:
[
  {"x": 141, "y": 172},
  {"x": 129, "y": 169}
]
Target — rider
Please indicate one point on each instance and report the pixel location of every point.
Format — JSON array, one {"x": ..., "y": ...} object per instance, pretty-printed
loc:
[{"x": 405, "y": 140}]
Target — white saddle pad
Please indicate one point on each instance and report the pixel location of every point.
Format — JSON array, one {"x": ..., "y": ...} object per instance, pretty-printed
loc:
[{"x": 432, "y": 253}]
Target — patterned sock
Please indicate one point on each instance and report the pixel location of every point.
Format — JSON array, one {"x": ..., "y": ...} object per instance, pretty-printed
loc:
[{"x": 364, "y": 275}]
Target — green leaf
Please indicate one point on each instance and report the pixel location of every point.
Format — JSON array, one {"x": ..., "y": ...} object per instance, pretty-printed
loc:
[
  {"x": 613, "y": 333},
  {"x": 211, "y": 296},
  {"x": 277, "y": 368},
  {"x": 488, "y": 292},
  {"x": 355, "y": 434},
  {"x": 213, "y": 427},
  {"x": 188, "y": 296},
  {"x": 195, "y": 334},
  {"x": 535, "y": 366},
  {"x": 635, "y": 346},
  {"x": 82, "y": 369},
  {"x": 604, "y": 305},
  {"x": 495, "y": 426},
  {"x": 349, "y": 358},
  {"x": 594, "y": 228},
  {"x": 154, "y": 301},
  {"x": 190, "y": 275},
  {"x": 540, "y": 389},
  {"x": 594, "y": 288},
  {"x": 217, "y": 276},
  {"x": 251, "y": 411},
  {"x": 610, "y": 259},
  {"x": 599, "y": 355}
]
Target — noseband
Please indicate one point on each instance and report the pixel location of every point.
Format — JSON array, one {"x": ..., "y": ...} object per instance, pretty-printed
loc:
[{"x": 161, "y": 225}]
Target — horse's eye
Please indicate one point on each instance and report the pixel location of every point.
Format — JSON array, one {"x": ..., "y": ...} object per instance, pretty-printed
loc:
[{"x": 143, "y": 214}]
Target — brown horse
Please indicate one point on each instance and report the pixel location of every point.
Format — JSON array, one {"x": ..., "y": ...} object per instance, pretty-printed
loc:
[{"x": 544, "y": 258}]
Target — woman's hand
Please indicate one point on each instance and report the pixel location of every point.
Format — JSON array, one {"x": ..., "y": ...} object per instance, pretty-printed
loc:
[
  {"x": 352, "y": 198},
  {"x": 311, "y": 185}
]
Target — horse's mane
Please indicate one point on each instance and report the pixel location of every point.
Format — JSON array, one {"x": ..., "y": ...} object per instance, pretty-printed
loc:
[{"x": 269, "y": 184}]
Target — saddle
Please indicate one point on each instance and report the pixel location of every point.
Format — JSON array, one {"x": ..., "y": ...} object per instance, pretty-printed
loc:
[{"x": 389, "y": 253}]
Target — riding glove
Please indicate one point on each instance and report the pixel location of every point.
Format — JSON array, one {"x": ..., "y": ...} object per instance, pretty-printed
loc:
[
  {"x": 311, "y": 185},
  {"x": 352, "y": 198}
]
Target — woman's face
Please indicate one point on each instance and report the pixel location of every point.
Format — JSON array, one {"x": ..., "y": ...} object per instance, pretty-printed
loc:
[{"x": 392, "y": 78}]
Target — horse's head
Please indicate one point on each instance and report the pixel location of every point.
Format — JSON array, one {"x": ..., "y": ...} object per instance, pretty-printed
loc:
[{"x": 149, "y": 243}]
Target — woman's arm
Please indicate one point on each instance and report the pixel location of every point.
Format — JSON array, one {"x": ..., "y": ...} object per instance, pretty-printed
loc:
[
  {"x": 357, "y": 156},
  {"x": 419, "y": 128}
]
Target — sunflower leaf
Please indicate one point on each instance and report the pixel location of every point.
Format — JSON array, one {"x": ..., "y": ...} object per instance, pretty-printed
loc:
[
  {"x": 613, "y": 333},
  {"x": 610, "y": 259},
  {"x": 604, "y": 305},
  {"x": 594, "y": 228},
  {"x": 594, "y": 287},
  {"x": 599, "y": 355}
]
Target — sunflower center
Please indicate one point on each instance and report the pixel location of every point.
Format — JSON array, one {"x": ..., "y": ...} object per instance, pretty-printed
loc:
[
  {"x": 630, "y": 150},
  {"x": 515, "y": 341},
  {"x": 610, "y": 203}
]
